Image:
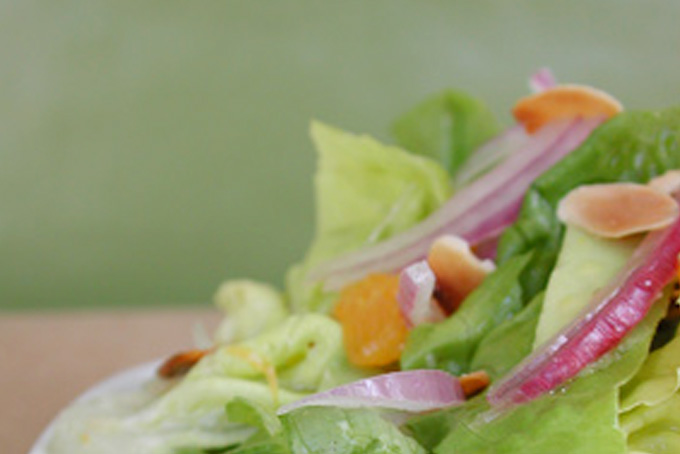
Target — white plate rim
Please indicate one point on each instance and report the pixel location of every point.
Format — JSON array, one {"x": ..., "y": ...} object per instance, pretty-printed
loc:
[{"x": 127, "y": 380}]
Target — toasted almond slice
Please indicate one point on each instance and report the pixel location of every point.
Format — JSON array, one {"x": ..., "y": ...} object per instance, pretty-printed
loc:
[
  {"x": 668, "y": 183},
  {"x": 457, "y": 269},
  {"x": 562, "y": 102},
  {"x": 474, "y": 383},
  {"x": 181, "y": 363},
  {"x": 617, "y": 210}
]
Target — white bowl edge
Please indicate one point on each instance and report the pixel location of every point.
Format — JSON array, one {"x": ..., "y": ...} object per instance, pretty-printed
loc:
[{"x": 129, "y": 379}]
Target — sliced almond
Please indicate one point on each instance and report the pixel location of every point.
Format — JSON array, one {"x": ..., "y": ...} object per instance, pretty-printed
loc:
[
  {"x": 668, "y": 183},
  {"x": 457, "y": 269},
  {"x": 474, "y": 383},
  {"x": 617, "y": 210},
  {"x": 181, "y": 363},
  {"x": 562, "y": 102}
]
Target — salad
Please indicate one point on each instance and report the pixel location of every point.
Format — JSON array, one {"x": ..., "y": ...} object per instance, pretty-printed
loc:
[{"x": 473, "y": 288}]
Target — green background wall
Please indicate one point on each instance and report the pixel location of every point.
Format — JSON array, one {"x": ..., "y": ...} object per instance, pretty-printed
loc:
[{"x": 149, "y": 150}]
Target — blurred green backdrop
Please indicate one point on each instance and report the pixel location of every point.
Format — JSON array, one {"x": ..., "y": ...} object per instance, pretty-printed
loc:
[{"x": 149, "y": 150}]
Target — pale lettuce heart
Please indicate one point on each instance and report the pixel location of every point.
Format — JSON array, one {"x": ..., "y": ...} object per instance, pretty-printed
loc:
[
  {"x": 585, "y": 264},
  {"x": 249, "y": 308},
  {"x": 657, "y": 380}
]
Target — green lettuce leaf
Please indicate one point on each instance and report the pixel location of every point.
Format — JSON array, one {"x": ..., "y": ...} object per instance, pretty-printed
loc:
[
  {"x": 249, "y": 308},
  {"x": 449, "y": 345},
  {"x": 305, "y": 350},
  {"x": 365, "y": 193},
  {"x": 117, "y": 423},
  {"x": 245, "y": 411},
  {"x": 269, "y": 438},
  {"x": 321, "y": 430},
  {"x": 654, "y": 429},
  {"x": 650, "y": 403},
  {"x": 508, "y": 343},
  {"x": 551, "y": 420},
  {"x": 446, "y": 127},
  {"x": 555, "y": 420},
  {"x": 585, "y": 264},
  {"x": 657, "y": 380},
  {"x": 633, "y": 146}
]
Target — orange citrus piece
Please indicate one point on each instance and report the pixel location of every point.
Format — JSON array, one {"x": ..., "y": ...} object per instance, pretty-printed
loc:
[
  {"x": 373, "y": 328},
  {"x": 563, "y": 102}
]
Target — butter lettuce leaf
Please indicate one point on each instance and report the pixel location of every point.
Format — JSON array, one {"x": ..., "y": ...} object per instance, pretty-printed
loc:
[
  {"x": 269, "y": 438},
  {"x": 321, "y": 430},
  {"x": 249, "y": 308},
  {"x": 585, "y": 264},
  {"x": 247, "y": 412},
  {"x": 508, "y": 343},
  {"x": 581, "y": 419},
  {"x": 650, "y": 403},
  {"x": 657, "y": 380},
  {"x": 654, "y": 429},
  {"x": 449, "y": 345},
  {"x": 446, "y": 127},
  {"x": 555, "y": 419},
  {"x": 632, "y": 146},
  {"x": 305, "y": 353},
  {"x": 365, "y": 193}
]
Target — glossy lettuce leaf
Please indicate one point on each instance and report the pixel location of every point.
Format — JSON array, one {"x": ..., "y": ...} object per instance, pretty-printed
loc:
[
  {"x": 654, "y": 429},
  {"x": 633, "y": 146},
  {"x": 446, "y": 127},
  {"x": 540, "y": 427},
  {"x": 657, "y": 380},
  {"x": 555, "y": 421},
  {"x": 305, "y": 351},
  {"x": 365, "y": 193},
  {"x": 269, "y": 438},
  {"x": 321, "y": 430},
  {"x": 266, "y": 445},
  {"x": 585, "y": 264},
  {"x": 248, "y": 412},
  {"x": 508, "y": 343},
  {"x": 449, "y": 345},
  {"x": 249, "y": 308},
  {"x": 650, "y": 403},
  {"x": 110, "y": 425}
]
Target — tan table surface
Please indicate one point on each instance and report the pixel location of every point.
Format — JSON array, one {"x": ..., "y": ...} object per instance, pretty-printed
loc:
[{"x": 48, "y": 359}]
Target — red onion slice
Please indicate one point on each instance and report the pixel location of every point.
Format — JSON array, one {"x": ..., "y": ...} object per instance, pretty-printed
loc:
[
  {"x": 491, "y": 153},
  {"x": 416, "y": 287},
  {"x": 613, "y": 313},
  {"x": 412, "y": 391},
  {"x": 477, "y": 213},
  {"x": 542, "y": 80}
]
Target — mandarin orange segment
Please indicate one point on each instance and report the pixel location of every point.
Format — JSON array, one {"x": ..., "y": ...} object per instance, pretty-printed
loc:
[
  {"x": 374, "y": 330},
  {"x": 564, "y": 102}
]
